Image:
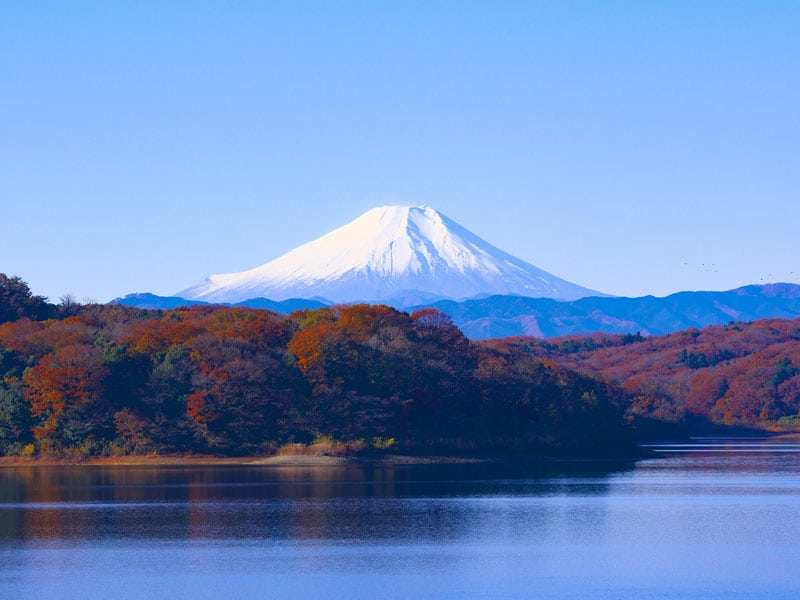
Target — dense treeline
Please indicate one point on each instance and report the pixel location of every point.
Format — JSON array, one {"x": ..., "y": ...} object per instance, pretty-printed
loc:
[
  {"x": 741, "y": 374},
  {"x": 87, "y": 380},
  {"x": 17, "y": 301}
]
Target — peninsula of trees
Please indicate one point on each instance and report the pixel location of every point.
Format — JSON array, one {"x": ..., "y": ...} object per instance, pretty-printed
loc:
[{"x": 92, "y": 380}]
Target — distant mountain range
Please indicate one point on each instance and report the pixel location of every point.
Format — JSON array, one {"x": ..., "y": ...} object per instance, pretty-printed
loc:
[
  {"x": 151, "y": 301},
  {"x": 504, "y": 315},
  {"x": 413, "y": 257},
  {"x": 390, "y": 255}
]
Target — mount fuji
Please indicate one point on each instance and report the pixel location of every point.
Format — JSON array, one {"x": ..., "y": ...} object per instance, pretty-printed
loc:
[{"x": 390, "y": 254}]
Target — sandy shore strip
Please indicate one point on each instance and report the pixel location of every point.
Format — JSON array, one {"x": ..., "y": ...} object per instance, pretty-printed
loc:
[{"x": 295, "y": 460}]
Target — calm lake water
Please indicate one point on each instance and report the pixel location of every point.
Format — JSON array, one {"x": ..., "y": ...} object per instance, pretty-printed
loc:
[{"x": 711, "y": 519}]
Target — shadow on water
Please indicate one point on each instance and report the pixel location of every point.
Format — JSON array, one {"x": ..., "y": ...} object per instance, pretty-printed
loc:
[{"x": 38, "y": 504}]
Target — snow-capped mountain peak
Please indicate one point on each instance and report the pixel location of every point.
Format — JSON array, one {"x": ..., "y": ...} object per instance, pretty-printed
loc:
[{"x": 388, "y": 252}]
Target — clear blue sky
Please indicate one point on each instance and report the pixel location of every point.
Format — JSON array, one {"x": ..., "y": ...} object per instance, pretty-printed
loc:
[{"x": 631, "y": 147}]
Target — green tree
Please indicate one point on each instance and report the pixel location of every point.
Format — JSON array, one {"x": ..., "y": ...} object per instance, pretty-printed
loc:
[
  {"x": 15, "y": 418},
  {"x": 17, "y": 301}
]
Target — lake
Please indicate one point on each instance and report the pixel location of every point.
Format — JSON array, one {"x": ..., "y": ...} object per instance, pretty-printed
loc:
[{"x": 709, "y": 519}]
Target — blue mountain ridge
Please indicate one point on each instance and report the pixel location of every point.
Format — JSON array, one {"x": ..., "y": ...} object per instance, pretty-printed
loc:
[
  {"x": 505, "y": 316},
  {"x": 152, "y": 301}
]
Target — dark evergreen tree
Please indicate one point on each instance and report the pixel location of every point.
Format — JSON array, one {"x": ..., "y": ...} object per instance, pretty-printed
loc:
[{"x": 17, "y": 301}]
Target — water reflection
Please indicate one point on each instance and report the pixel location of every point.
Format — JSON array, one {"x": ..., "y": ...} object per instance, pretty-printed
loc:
[
  {"x": 686, "y": 525},
  {"x": 339, "y": 502}
]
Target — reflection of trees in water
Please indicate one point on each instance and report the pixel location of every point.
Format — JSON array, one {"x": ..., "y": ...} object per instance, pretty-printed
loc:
[
  {"x": 378, "y": 502},
  {"x": 49, "y": 494}
]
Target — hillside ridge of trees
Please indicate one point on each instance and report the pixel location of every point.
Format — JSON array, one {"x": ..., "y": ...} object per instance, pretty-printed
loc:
[
  {"x": 84, "y": 380},
  {"x": 109, "y": 379},
  {"x": 734, "y": 375}
]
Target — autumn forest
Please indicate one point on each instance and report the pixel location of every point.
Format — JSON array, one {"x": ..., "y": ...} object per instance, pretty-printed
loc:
[{"x": 97, "y": 380}]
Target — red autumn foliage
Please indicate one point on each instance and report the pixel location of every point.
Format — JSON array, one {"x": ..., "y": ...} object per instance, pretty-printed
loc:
[{"x": 742, "y": 374}]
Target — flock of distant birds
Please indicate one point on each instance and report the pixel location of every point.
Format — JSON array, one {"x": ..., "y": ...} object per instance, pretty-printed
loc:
[{"x": 712, "y": 268}]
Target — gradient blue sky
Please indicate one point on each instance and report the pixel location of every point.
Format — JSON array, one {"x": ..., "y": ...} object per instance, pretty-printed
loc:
[{"x": 631, "y": 147}]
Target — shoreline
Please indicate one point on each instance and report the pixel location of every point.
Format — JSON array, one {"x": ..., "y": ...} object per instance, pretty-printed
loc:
[
  {"x": 310, "y": 459},
  {"x": 305, "y": 460},
  {"x": 292, "y": 460}
]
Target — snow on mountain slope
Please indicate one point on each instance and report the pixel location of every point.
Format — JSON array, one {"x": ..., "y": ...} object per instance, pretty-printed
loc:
[{"x": 387, "y": 253}]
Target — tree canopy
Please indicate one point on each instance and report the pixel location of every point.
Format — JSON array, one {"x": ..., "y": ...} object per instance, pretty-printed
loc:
[
  {"x": 112, "y": 379},
  {"x": 17, "y": 301}
]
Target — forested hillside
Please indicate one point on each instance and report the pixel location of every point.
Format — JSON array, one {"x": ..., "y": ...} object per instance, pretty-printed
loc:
[
  {"x": 90, "y": 380},
  {"x": 97, "y": 380},
  {"x": 740, "y": 374}
]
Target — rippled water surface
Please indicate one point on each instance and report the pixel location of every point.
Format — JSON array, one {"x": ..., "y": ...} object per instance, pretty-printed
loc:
[{"x": 710, "y": 519}]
